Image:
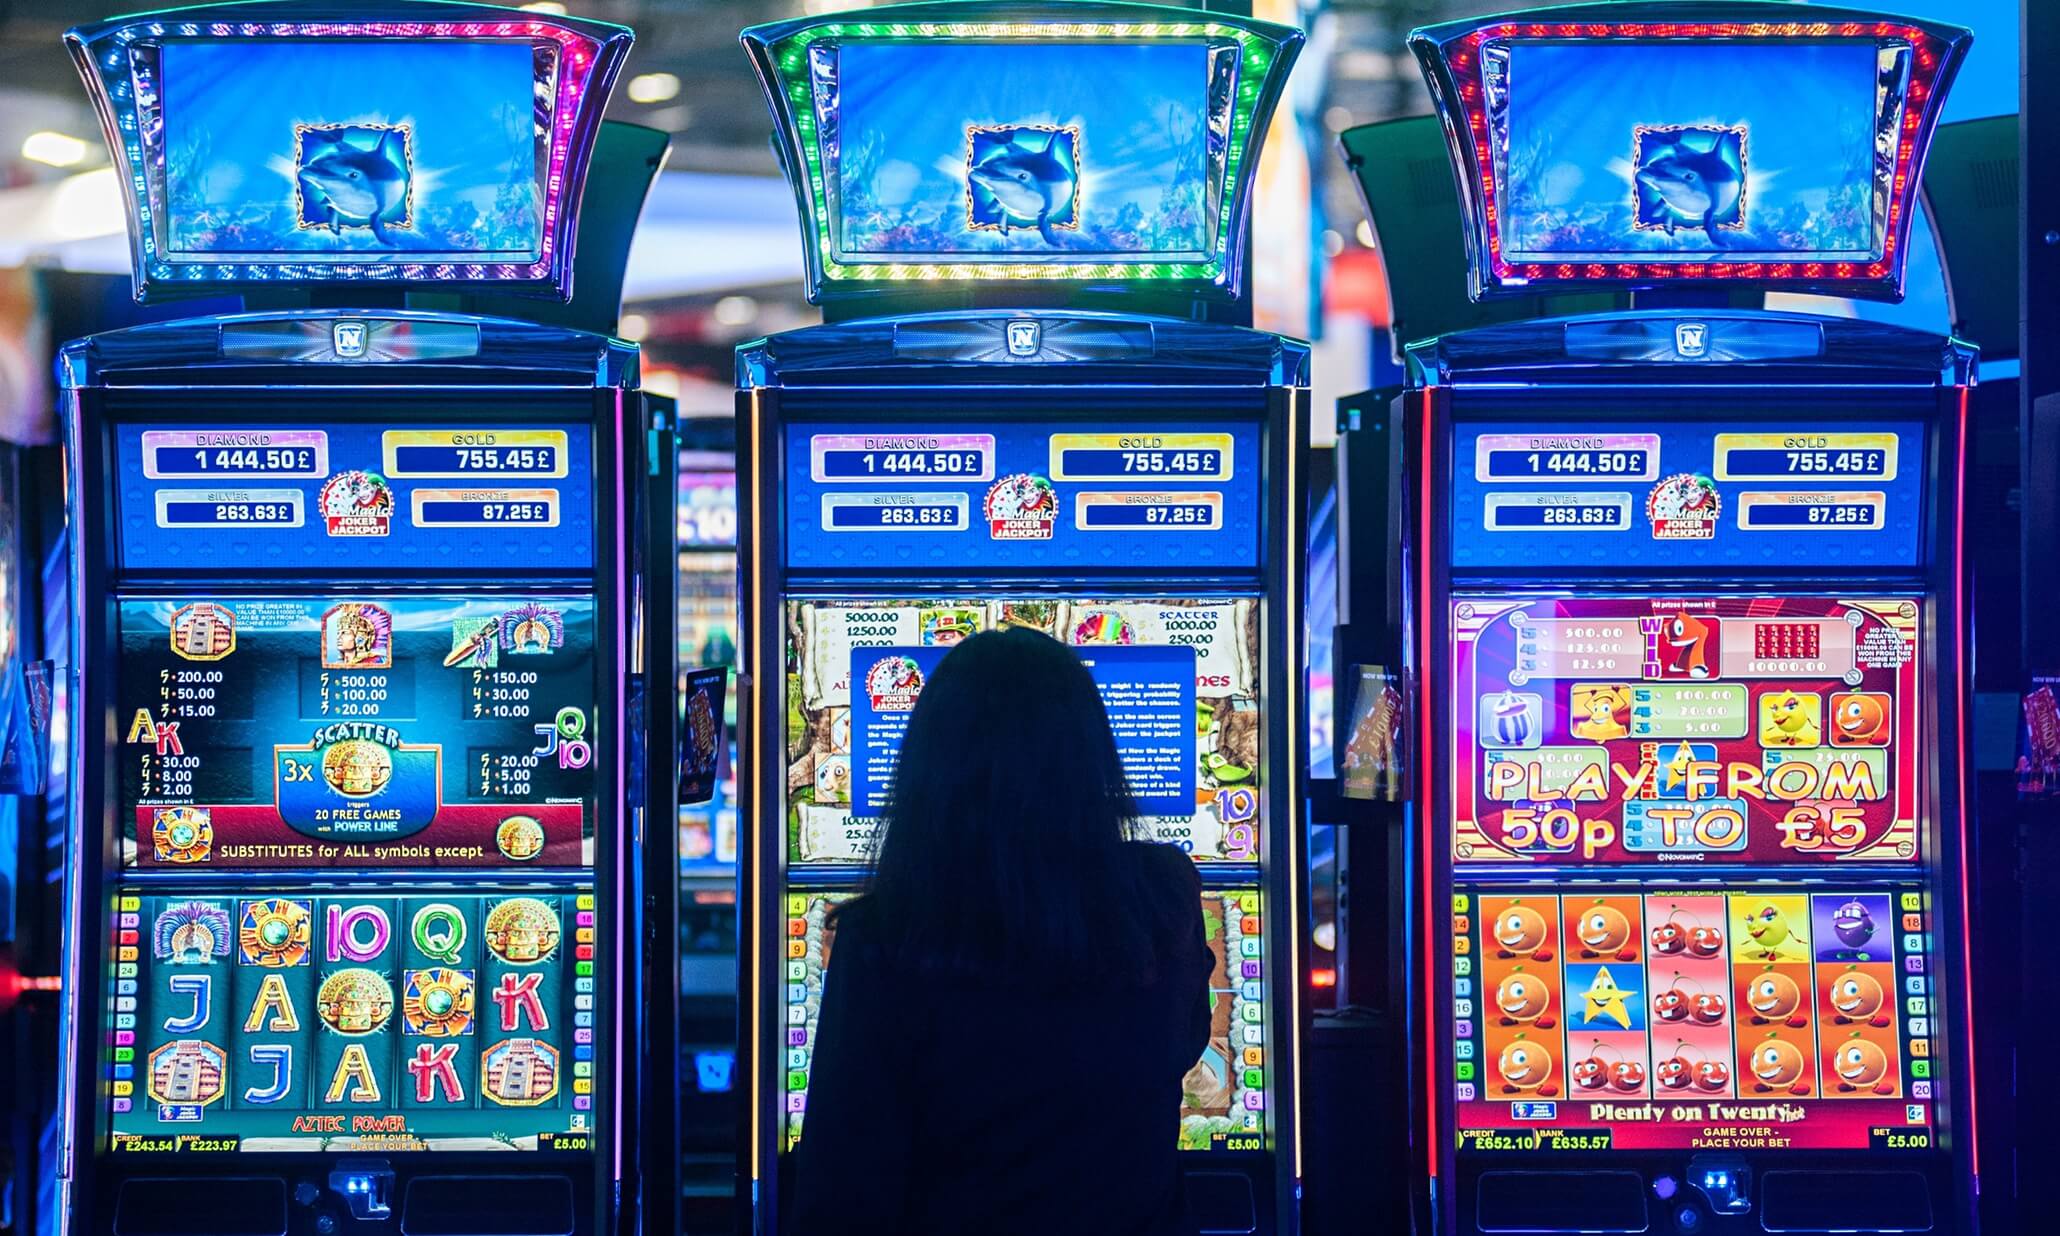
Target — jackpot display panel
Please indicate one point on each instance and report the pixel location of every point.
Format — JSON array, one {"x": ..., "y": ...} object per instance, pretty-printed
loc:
[{"x": 1694, "y": 721}]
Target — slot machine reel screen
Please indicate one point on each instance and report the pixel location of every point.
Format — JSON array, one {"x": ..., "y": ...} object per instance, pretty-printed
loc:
[
  {"x": 1178, "y": 677},
  {"x": 283, "y": 1020},
  {"x": 353, "y": 732},
  {"x": 1222, "y": 1104}
]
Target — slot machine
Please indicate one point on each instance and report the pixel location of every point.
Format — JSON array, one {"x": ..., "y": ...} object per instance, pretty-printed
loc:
[
  {"x": 352, "y": 926},
  {"x": 1688, "y": 614},
  {"x": 1033, "y": 404}
]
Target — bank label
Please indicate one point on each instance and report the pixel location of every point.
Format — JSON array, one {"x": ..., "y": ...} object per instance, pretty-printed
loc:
[
  {"x": 1517, "y": 457},
  {"x": 485, "y": 508},
  {"x": 1148, "y": 511},
  {"x": 1790, "y": 456},
  {"x": 896, "y": 512},
  {"x": 504, "y": 454},
  {"x": 860, "y": 458},
  {"x": 240, "y": 454},
  {"x": 229, "y": 508},
  {"x": 1141, "y": 456}
]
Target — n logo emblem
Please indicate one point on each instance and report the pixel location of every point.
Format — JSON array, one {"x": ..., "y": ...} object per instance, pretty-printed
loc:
[
  {"x": 1024, "y": 338},
  {"x": 1691, "y": 340},
  {"x": 348, "y": 338}
]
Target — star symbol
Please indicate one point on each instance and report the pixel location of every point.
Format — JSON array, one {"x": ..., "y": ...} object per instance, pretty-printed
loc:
[
  {"x": 1677, "y": 768},
  {"x": 1605, "y": 999}
]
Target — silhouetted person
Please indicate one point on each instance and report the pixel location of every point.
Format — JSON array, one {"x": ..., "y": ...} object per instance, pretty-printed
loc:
[{"x": 1010, "y": 1007}]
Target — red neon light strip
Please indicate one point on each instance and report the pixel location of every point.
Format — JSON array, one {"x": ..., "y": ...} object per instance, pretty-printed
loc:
[
  {"x": 1960, "y": 639},
  {"x": 1462, "y": 61},
  {"x": 1428, "y": 827}
]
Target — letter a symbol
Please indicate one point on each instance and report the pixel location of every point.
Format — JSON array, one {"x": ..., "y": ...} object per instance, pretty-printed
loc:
[
  {"x": 201, "y": 988},
  {"x": 431, "y": 1066},
  {"x": 143, "y": 729},
  {"x": 515, "y": 995},
  {"x": 273, "y": 1001},
  {"x": 354, "y": 1072},
  {"x": 280, "y": 1057}
]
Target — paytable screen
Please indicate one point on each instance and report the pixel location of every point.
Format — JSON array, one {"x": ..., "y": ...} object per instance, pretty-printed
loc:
[
  {"x": 1686, "y": 730},
  {"x": 279, "y": 1019},
  {"x": 272, "y": 732},
  {"x": 1179, "y": 679},
  {"x": 1705, "y": 1018}
]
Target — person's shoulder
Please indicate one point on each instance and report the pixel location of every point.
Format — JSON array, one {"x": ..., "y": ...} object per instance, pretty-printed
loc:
[
  {"x": 857, "y": 923},
  {"x": 1166, "y": 866},
  {"x": 859, "y": 911}
]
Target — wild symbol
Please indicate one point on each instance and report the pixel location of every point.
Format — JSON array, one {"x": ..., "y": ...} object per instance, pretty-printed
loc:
[
  {"x": 1023, "y": 176},
  {"x": 1689, "y": 177},
  {"x": 354, "y": 176}
]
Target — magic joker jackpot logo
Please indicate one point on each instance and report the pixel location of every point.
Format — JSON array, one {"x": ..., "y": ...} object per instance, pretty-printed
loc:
[{"x": 1657, "y": 730}]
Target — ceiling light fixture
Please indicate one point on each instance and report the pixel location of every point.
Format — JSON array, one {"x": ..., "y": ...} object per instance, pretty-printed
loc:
[
  {"x": 56, "y": 149},
  {"x": 653, "y": 87}
]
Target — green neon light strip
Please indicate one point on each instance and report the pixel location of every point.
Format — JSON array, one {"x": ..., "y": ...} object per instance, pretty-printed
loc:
[{"x": 791, "y": 55}]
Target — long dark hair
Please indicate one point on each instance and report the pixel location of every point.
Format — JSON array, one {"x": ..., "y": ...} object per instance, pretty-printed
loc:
[{"x": 1003, "y": 840}]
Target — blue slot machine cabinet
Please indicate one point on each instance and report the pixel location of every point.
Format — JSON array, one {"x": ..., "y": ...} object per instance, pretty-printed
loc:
[
  {"x": 1688, "y": 614},
  {"x": 351, "y": 931},
  {"x": 1033, "y": 405}
]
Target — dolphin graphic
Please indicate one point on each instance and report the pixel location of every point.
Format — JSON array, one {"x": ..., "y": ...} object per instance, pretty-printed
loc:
[
  {"x": 1030, "y": 185},
  {"x": 348, "y": 186},
  {"x": 1701, "y": 186}
]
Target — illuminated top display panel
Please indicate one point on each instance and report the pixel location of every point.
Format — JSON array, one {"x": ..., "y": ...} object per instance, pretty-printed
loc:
[
  {"x": 1625, "y": 145},
  {"x": 439, "y": 145},
  {"x": 354, "y": 732},
  {"x": 445, "y": 166},
  {"x": 1090, "y": 150},
  {"x": 1571, "y": 496},
  {"x": 1686, "y": 730},
  {"x": 1005, "y": 495},
  {"x": 996, "y": 141},
  {"x": 347, "y": 498},
  {"x": 1179, "y": 677},
  {"x": 1648, "y": 1018}
]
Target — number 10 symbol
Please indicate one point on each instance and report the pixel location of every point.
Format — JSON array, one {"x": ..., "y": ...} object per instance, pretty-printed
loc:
[{"x": 567, "y": 738}]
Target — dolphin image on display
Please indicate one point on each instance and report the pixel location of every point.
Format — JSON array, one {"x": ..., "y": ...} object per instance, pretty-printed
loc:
[
  {"x": 350, "y": 186},
  {"x": 1031, "y": 186},
  {"x": 1699, "y": 186}
]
